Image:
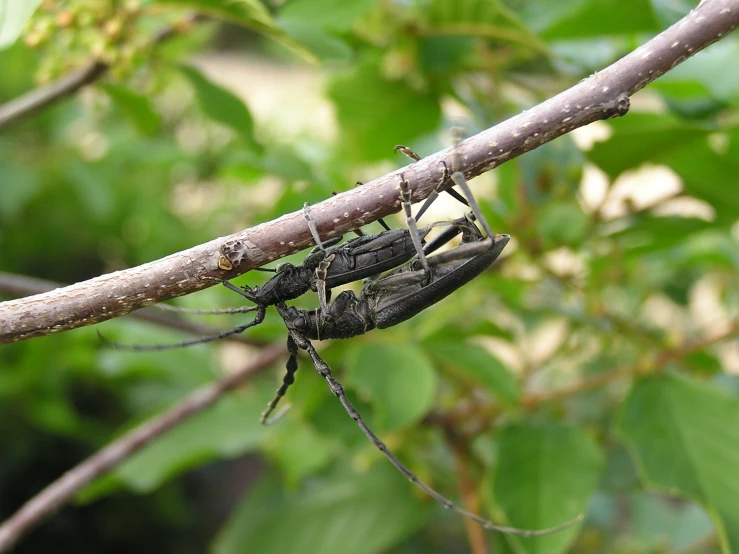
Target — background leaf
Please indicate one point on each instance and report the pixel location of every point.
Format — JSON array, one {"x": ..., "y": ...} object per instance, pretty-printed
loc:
[
  {"x": 678, "y": 430},
  {"x": 544, "y": 478},
  {"x": 13, "y": 17}
]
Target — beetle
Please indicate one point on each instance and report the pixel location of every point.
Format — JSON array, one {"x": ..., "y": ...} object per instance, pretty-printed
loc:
[{"x": 391, "y": 299}]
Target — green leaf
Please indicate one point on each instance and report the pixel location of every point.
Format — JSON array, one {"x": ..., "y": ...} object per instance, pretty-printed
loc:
[
  {"x": 398, "y": 379},
  {"x": 298, "y": 449},
  {"x": 702, "y": 75},
  {"x": 682, "y": 434},
  {"x": 640, "y": 138},
  {"x": 321, "y": 44},
  {"x": 477, "y": 363},
  {"x": 248, "y": 13},
  {"x": 709, "y": 173},
  {"x": 222, "y": 106},
  {"x": 489, "y": 19},
  {"x": 336, "y": 15},
  {"x": 136, "y": 106},
  {"x": 545, "y": 476},
  {"x": 228, "y": 429},
  {"x": 376, "y": 113},
  {"x": 562, "y": 223},
  {"x": 13, "y": 17},
  {"x": 357, "y": 514},
  {"x": 570, "y": 19}
]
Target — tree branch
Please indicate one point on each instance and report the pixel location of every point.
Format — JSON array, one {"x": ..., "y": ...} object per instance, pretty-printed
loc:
[
  {"x": 600, "y": 96},
  {"x": 20, "y": 285},
  {"x": 63, "y": 489},
  {"x": 660, "y": 362}
]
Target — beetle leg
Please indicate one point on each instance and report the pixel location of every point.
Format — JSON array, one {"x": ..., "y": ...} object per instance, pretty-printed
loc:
[
  {"x": 405, "y": 198},
  {"x": 290, "y": 368},
  {"x": 312, "y": 226}
]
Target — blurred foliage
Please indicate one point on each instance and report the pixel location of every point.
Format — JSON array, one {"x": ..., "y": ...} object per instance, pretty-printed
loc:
[{"x": 624, "y": 250}]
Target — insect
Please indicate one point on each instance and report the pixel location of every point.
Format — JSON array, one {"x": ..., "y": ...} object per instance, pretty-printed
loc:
[
  {"x": 391, "y": 299},
  {"x": 328, "y": 265}
]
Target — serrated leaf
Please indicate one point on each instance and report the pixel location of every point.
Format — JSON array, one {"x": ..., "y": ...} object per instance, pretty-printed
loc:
[
  {"x": 545, "y": 477},
  {"x": 13, "y": 17},
  {"x": 248, "y": 13},
  {"x": 475, "y": 362},
  {"x": 398, "y": 379},
  {"x": 349, "y": 513},
  {"x": 136, "y": 106},
  {"x": 222, "y": 105},
  {"x": 682, "y": 434},
  {"x": 371, "y": 109}
]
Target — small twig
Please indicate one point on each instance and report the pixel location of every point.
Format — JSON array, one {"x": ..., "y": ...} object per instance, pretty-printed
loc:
[
  {"x": 40, "y": 98},
  {"x": 468, "y": 490},
  {"x": 602, "y": 379},
  {"x": 63, "y": 489},
  {"x": 21, "y": 285},
  {"x": 485, "y": 413},
  {"x": 601, "y": 96}
]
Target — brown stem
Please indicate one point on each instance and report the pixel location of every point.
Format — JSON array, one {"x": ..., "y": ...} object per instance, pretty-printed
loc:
[
  {"x": 39, "y": 98},
  {"x": 63, "y": 489},
  {"x": 600, "y": 96},
  {"x": 660, "y": 362},
  {"x": 21, "y": 285},
  {"x": 468, "y": 490}
]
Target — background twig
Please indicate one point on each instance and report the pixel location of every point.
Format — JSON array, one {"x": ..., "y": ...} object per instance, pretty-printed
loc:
[
  {"x": 63, "y": 489},
  {"x": 20, "y": 285}
]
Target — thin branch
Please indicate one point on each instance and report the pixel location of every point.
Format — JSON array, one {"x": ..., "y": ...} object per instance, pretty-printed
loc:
[
  {"x": 486, "y": 413},
  {"x": 468, "y": 489},
  {"x": 21, "y": 285},
  {"x": 602, "y": 379},
  {"x": 38, "y": 99},
  {"x": 600, "y": 96},
  {"x": 63, "y": 489}
]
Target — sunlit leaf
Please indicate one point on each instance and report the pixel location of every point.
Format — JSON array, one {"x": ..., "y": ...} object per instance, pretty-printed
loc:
[
  {"x": 249, "y": 13},
  {"x": 13, "y": 17}
]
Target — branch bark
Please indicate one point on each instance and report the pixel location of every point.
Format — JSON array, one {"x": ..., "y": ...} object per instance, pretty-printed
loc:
[
  {"x": 600, "y": 96},
  {"x": 20, "y": 285}
]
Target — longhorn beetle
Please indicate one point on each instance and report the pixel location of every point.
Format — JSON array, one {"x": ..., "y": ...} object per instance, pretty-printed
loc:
[
  {"x": 387, "y": 301},
  {"x": 329, "y": 264},
  {"x": 391, "y": 299}
]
